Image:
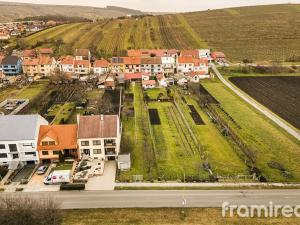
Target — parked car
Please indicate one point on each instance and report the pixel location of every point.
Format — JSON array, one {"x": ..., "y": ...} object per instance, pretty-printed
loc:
[
  {"x": 58, "y": 177},
  {"x": 42, "y": 170}
]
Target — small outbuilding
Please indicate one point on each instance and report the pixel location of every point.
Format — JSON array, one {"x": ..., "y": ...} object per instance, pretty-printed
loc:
[{"x": 124, "y": 162}]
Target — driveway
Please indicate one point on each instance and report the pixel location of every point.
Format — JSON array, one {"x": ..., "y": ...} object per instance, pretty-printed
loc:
[
  {"x": 104, "y": 182},
  {"x": 36, "y": 184}
]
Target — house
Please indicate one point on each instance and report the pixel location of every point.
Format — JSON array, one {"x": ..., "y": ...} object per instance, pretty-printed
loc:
[
  {"x": 151, "y": 65},
  {"x": 189, "y": 53},
  {"x": 218, "y": 56},
  {"x": 149, "y": 84},
  {"x": 30, "y": 67},
  {"x": 4, "y": 35},
  {"x": 45, "y": 51},
  {"x": 100, "y": 66},
  {"x": 124, "y": 162},
  {"x": 201, "y": 65},
  {"x": 162, "y": 80},
  {"x": 18, "y": 138},
  {"x": 82, "y": 67},
  {"x": 195, "y": 77},
  {"x": 99, "y": 136},
  {"x": 42, "y": 66},
  {"x": 47, "y": 65},
  {"x": 132, "y": 64},
  {"x": 110, "y": 82},
  {"x": 11, "y": 65},
  {"x": 168, "y": 64},
  {"x": 29, "y": 54},
  {"x": 204, "y": 53},
  {"x": 185, "y": 64},
  {"x": 82, "y": 54},
  {"x": 117, "y": 65},
  {"x": 133, "y": 76},
  {"x": 51, "y": 23},
  {"x": 67, "y": 64},
  {"x": 54, "y": 140}
]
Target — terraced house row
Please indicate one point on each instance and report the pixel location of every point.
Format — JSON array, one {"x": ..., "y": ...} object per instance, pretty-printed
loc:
[
  {"x": 29, "y": 139},
  {"x": 37, "y": 63}
]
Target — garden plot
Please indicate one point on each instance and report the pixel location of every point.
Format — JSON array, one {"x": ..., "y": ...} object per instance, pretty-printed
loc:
[{"x": 154, "y": 117}]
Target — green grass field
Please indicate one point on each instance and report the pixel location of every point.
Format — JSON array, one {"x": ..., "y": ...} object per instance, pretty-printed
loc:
[
  {"x": 269, "y": 142},
  {"x": 259, "y": 33},
  {"x": 170, "y": 151},
  {"x": 163, "y": 216},
  {"x": 61, "y": 112}
]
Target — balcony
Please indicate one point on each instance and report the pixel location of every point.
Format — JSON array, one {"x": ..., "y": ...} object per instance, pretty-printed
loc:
[{"x": 110, "y": 151}]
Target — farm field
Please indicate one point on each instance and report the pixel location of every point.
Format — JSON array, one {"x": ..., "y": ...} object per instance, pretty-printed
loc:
[
  {"x": 271, "y": 145},
  {"x": 259, "y": 33},
  {"x": 280, "y": 94},
  {"x": 170, "y": 147},
  {"x": 163, "y": 216}
]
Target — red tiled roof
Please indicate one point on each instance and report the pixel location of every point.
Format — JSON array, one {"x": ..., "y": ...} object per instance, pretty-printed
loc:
[
  {"x": 29, "y": 53},
  {"x": 46, "y": 51},
  {"x": 192, "y": 74},
  {"x": 217, "y": 55},
  {"x": 185, "y": 60},
  {"x": 151, "y": 60},
  {"x": 65, "y": 136},
  {"x": 82, "y": 52},
  {"x": 132, "y": 60},
  {"x": 45, "y": 60},
  {"x": 95, "y": 127},
  {"x": 149, "y": 52},
  {"x": 133, "y": 76},
  {"x": 101, "y": 63},
  {"x": 84, "y": 63},
  {"x": 148, "y": 82},
  {"x": 69, "y": 60},
  {"x": 190, "y": 53},
  {"x": 197, "y": 62},
  {"x": 30, "y": 62}
]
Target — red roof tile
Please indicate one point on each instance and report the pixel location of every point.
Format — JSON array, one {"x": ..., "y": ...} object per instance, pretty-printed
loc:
[
  {"x": 68, "y": 60},
  {"x": 185, "y": 60},
  {"x": 190, "y": 53},
  {"x": 133, "y": 76},
  {"x": 101, "y": 63},
  {"x": 84, "y": 63}
]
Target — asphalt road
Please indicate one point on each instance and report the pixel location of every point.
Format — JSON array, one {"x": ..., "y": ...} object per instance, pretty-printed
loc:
[
  {"x": 166, "y": 198},
  {"x": 259, "y": 107}
]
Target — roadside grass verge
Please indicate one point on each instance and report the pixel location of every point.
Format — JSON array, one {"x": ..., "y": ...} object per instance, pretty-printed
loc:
[{"x": 163, "y": 216}]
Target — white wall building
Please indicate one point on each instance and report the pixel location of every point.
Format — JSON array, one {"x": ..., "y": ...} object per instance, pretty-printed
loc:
[
  {"x": 18, "y": 138},
  {"x": 99, "y": 137}
]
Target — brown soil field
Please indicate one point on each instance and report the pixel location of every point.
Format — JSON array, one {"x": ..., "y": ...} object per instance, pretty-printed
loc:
[{"x": 280, "y": 94}]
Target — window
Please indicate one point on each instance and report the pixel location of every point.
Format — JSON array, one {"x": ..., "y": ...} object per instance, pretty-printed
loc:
[
  {"x": 56, "y": 152},
  {"x": 28, "y": 145},
  {"x": 51, "y": 142},
  {"x": 44, "y": 143},
  {"x": 85, "y": 143},
  {"x": 15, "y": 156},
  {"x": 3, "y": 155},
  {"x": 2, "y": 146},
  {"x": 97, "y": 151},
  {"x": 45, "y": 153},
  {"x": 13, "y": 147},
  {"x": 30, "y": 153},
  {"x": 97, "y": 142}
]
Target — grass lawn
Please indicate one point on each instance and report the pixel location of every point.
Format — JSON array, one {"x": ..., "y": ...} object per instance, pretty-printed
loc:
[
  {"x": 220, "y": 152},
  {"x": 153, "y": 93},
  {"x": 33, "y": 90},
  {"x": 270, "y": 143},
  {"x": 61, "y": 112},
  {"x": 64, "y": 166},
  {"x": 163, "y": 216}
]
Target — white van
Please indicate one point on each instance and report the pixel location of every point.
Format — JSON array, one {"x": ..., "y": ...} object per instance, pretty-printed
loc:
[{"x": 58, "y": 177}]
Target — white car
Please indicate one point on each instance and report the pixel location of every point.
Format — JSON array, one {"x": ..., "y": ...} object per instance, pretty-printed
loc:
[{"x": 42, "y": 170}]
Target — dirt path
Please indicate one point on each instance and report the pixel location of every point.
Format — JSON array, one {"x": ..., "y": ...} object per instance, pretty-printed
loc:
[{"x": 257, "y": 106}]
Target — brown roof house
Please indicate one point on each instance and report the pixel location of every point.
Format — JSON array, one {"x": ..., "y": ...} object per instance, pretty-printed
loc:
[
  {"x": 99, "y": 136},
  {"x": 54, "y": 139}
]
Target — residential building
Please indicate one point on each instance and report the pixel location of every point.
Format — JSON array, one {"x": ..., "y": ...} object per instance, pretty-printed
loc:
[
  {"x": 218, "y": 56},
  {"x": 82, "y": 67},
  {"x": 132, "y": 64},
  {"x": 82, "y": 54},
  {"x": 47, "y": 65},
  {"x": 30, "y": 67},
  {"x": 190, "y": 53},
  {"x": 151, "y": 65},
  {"x": 45, "y": 52},
  {"x": 201, "y": 65},
  {"x": 168, "y": 64},
  {"x": 29, "y": 54},
  {"x": 54, "y": 140},
  {"x": 185, "y": 64},
  {"x": 42, "y": 66},
  {"x": 117, "y": 65},
  {"x": 149, "y": 84},
  {"x": 67, "y": 64},
  {"x": 18, "y": 138},
  {"x": 110, "y": 82},
  {"x": 4, "y": 35},
  {"x": 100, "y": 66},
  {"x": 99, "y": 137},
  {"x": 11, "y": 65},
  {"x": 133, "y": 76}
]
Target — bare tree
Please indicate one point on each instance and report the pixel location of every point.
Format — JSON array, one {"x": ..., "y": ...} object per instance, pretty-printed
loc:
[{"x": 20, "y": 210}]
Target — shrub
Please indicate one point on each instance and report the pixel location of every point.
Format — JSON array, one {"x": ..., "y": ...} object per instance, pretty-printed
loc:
[{"x": 72, "y": 187}]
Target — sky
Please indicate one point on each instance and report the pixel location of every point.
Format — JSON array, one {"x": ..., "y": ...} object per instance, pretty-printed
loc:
[{"x": 161, "y": 5}]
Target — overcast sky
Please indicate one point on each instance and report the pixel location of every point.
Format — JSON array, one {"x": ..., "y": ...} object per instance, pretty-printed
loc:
[{"x": 161, "y": 5}]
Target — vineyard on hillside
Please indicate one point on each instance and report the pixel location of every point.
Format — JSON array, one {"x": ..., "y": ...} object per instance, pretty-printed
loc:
[{"x": 257, "y": 33}]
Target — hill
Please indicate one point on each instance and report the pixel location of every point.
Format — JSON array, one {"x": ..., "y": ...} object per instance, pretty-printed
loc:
[
  {"x": 12, "y": 11},
  {"x": 258, "y": 33}
]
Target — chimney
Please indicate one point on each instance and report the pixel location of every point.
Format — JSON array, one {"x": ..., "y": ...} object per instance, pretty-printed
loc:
[{"x": 101, "y": 117}]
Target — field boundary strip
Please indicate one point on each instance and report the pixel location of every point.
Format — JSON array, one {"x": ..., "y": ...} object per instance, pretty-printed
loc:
[{"x": 257, "y": 106}]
